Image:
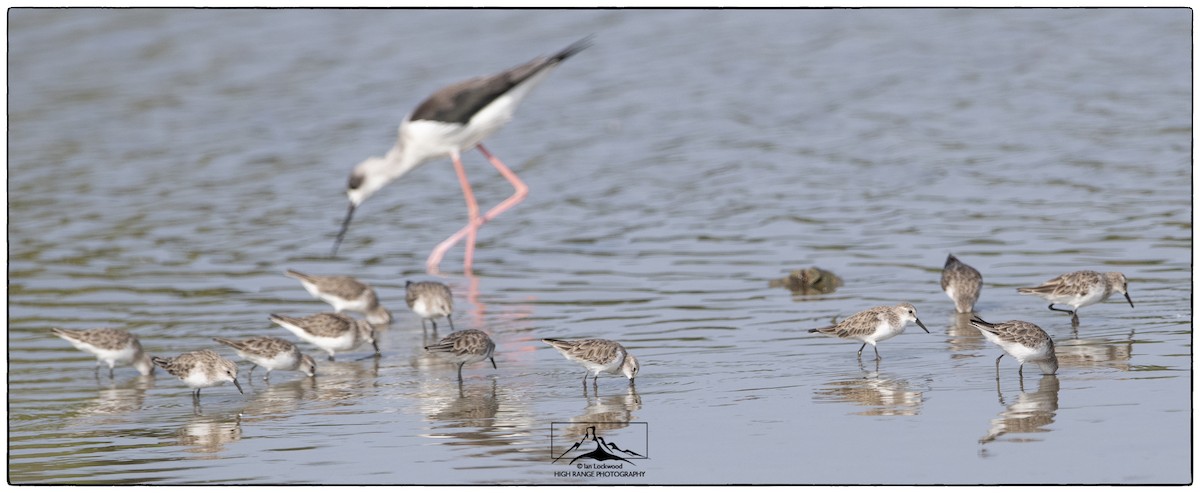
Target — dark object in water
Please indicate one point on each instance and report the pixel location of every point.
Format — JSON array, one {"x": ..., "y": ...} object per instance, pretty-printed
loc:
[{"x": 812, "y": 280}]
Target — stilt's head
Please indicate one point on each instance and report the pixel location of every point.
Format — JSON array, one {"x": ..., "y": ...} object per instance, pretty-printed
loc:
[
  {"x": 630, "y": 367},
  {"x": 308, "y": 365},
  {"x": 366, "y": 179},
  {"x": 1118, "y": 283}
]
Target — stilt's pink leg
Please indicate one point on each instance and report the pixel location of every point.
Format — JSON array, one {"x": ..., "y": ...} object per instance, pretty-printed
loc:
[
  {"x": 521, "y": 192},
  {"x": 473, "y": 222}
]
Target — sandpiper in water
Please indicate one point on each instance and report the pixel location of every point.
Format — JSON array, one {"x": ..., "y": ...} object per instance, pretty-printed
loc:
[
  {"x": 332, "y": 332},
  {"x": 598, "y": 356},
  {"x": 873, "y": 325},
  {"x": 345, "y": 293},
  {"x": 111, "y": 346},
  {"x": 430, "y": 300},
  {"x": 271, "y": 353},
  {"x": 465, "y": 347},
  {"x": 961, "y": 283},
  {"x": 1080, "y": 289}
]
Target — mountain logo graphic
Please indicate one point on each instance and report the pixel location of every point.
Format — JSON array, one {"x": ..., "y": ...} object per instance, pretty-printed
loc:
[{"x": 595, "y": 447}]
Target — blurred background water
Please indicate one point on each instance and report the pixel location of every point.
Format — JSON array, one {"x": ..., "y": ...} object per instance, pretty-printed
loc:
[{"x": 166, "y": 166}]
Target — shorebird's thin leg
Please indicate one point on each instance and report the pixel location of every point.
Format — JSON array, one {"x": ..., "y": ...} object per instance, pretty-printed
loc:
[
  {"x": 998, "y": 366},
  {"x": 877, "y": 357},
  {"x": 98, "y": 363},
  {"x": 1074, "y": 319},
  {"x": 110, "y": 372},
  {"x": 423, "y": 328},
  {"x": 434, "y": 322},
  {"x": 451, "y": 322},
  {"x": 860, "y": 348},
  {"x": 435, "y": 257},
  {"x": 1060, "y": 309},
  {"x": 266, "y": 378},
  {"x": 521, "y": 191},
  {"x": 460, "y": 365},
  {"x": 1021, "y": 371},
  {"x": 252, "y": 367}
]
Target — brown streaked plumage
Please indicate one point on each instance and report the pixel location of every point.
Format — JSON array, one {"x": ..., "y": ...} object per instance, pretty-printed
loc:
[
  {"x": 463, "y": 347},
  {"x": 873, "y": 325},
  {"x": 111, "y": 346},
  {"x": 271, "y": 353},
  {"x": 961, "y": 283},
  {"x": 200, "y": 369},
  {"x": 345, "y": 293},
  {"x": 1022, "y": 340},
  {"x": 430, "y": 300},
  {"x": 331, "y": 332},
  {"x": 597, "y": 356},
  {"x": 1080, "y": 289}
]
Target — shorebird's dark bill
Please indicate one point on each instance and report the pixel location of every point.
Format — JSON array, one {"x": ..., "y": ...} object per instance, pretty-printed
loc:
[
  {"x": 238, "y": 385},
  {"x": 922, "y": 326},
  {"x": 1130, "y": 300},
  {"x": 494, "y": 364},
  {"x": 342, "y": 233}
]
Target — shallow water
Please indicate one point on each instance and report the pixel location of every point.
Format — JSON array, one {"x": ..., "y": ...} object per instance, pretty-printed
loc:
[{"x": 166, "y": 166}]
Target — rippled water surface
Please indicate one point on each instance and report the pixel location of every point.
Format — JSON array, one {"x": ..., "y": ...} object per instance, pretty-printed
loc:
[{"x": 166, "y": 166}]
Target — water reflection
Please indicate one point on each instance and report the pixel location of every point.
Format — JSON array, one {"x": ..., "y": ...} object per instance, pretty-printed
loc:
[
  {"x": 118, "y": 399},
  {"x": 475, "y": 407},
  {"x": 965, "y": 341},
  {"x": 606, "y": 413},
  {"x": 207, "y": 435},
  {"x": 342, "y": 382},
  {"x": 883, "y": 396},
  {"x": 1095, "y": 353},
  {"x": 1030, "y": 413},
  {"x": 280, "y": 398}
]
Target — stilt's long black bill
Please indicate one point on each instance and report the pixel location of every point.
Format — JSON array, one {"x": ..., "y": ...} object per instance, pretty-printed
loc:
[{"x": 342, "y": 233}]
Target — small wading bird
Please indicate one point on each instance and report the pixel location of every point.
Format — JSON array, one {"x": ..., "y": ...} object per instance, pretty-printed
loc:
[
  {"x": 874, "y": 325},
  {"x": 455, "y": 119},
  {"x": 111, "y": 346},
  {"x": 1021, "y": 340},
  {"x": 465, "y": 347},
  {"x": 345, "y": 293},
  {"x": 200, "y": 369},
  {"x": 961, "y": 283},
  {"x": 598, "y": 356},
  {"x": 1080, "y": 289},
  {"x": 430, "y": 300}
]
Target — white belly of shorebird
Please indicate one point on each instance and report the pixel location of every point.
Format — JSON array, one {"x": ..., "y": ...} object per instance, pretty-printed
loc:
[
  {"x": 199, "y": 379},
  {"x": 282, "y": 360},
  {"x": 110, "y": 356}
]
